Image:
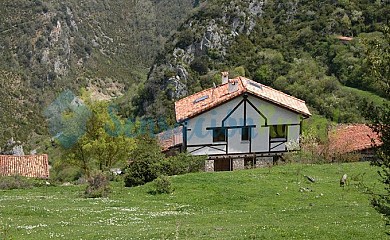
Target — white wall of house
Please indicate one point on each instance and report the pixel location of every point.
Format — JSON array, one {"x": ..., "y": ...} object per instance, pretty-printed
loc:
[
  {"x": 293, "y": 133},
  {"x": 200, "y": 136}
]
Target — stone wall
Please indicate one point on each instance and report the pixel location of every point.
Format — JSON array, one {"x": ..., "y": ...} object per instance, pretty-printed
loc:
[
  {"x": 209, "y": 166},
  {"x": 264, "y": 161},
  {"x": 238, "y": 164},
  {"x": 34, "y": 166}
]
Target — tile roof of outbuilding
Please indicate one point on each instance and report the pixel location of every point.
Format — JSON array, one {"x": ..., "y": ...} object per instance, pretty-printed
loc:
[
  {"x": 35, "y": 166},
  {"x": 351, "y": 138},
  {"x": 170, "y": 138},
  {"x": 197, "y": 103}
]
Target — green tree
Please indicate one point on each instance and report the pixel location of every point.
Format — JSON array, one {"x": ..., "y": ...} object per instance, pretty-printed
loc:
[
  {"x": 378, "y": 60},
  {"x": 381, "y": 125},
  {"x": 378, "y": 63},
  {"x": 145, "y": 161},
  {"x": 104, "y": 143}
]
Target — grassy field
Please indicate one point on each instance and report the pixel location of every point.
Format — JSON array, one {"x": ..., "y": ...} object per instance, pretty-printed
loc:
[{"x": 272, "y": 203}]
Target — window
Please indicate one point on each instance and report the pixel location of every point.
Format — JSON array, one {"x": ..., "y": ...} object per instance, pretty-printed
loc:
[
  {"x": 219, "y": 135},
  {"x": 201, "y": 99},
  {"x": 245, "y": 134},
  {"x": 255, "y": 84},
  {"x": 278, "y": 131}
]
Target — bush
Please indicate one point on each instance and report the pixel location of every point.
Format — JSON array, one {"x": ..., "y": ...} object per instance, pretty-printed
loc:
[
  {"x": 148, "y": 163},
  {"x": 17, "y": 182},
  {"x": 185, "y": 39},
  {"x": 181, "y": 164},
  {"x": 98, "y": 186},
  {"x": 145, "y": 162},
  {"x": 146, "y": 170},
  {"x": 347, "y": 157},
  {"x": 162, "y": 185},
  {"x": 65, "y": 173},
  {"x": 200, "y": 65},
  {"x": 141, "y": 171}
]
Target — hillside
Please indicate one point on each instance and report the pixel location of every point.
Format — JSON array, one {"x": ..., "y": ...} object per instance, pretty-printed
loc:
[
  {"x": 276, "y": 203},
  {"x": 49, "y": 46},
  {"x": 293, "y": 46}
]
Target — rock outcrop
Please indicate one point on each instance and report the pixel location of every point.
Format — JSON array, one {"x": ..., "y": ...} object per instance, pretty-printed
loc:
[{"x": 206, "y": 36}]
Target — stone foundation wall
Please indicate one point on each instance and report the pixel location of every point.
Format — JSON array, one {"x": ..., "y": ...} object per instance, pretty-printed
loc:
[
  {"x": 264, "y": 161},
  {"x": 238, "y": 164},
  {"x": 209, "y": 166}
]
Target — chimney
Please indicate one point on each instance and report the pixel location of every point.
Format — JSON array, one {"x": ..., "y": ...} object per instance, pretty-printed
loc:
[
  {"x": 225, "y": 77},
  {"x": 233, "y": 85}
]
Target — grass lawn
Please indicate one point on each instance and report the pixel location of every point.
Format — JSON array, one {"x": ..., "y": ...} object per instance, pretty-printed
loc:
[{"x": 248, "y": 204}]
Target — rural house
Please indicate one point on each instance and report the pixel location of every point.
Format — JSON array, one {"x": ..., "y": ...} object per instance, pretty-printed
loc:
[{"x": 238, "y": 124}]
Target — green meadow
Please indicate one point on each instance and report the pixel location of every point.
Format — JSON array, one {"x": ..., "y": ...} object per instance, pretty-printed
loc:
[{"x": 269, "y": 203}]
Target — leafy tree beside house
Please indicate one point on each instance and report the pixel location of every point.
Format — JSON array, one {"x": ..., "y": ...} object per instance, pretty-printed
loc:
[
  {"x": 103, "y": 144},
  {"x": 147, "y": 162},
  {"x": 378, "y": 65},
  {"x": 381, "y": 125},
  {"x": 144, "y": 162}
]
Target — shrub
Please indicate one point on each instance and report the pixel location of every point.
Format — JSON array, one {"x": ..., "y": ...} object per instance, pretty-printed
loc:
[
  {"x": 98, "y": 186},
  {"x": 65, "y": 173},
  {"x": 347, "y": 157},
  {"x": 185, "y": 39},
  {"x": 148, "y": 163},
  {"x": 162, "y": 185},
  {"x": 17, "y": 182},
  {"x": 181, "y": 164},
  {"x": 145, "y": 162},
  {"x": 141, "y": 171},
  {"x": 200, "y": 65},
  {"x": 145, "y": 170}
]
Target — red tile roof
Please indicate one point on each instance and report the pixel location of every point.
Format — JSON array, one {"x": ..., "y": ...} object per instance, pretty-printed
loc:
[
  {"x": 351, "y": 138},
  {"x": 197, "y": 103},
  {"x": 35, "y": 166},
  {"x": 170, "y": 138}
]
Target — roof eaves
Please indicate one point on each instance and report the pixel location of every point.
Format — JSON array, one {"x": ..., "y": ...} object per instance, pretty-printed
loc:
[
  {"x": 307, "y": 114},
  {"x": 210, "y": 106}
]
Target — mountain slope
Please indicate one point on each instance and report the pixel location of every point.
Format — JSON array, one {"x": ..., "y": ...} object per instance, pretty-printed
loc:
[
  {"x": 290, "y": 45},
  {"x": 50, "y": 46}
]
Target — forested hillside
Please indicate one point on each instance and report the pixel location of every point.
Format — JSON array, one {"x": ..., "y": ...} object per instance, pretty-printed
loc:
[
  {"x": 49, "y": 46},
  {"x": 295, "y": 46}
]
